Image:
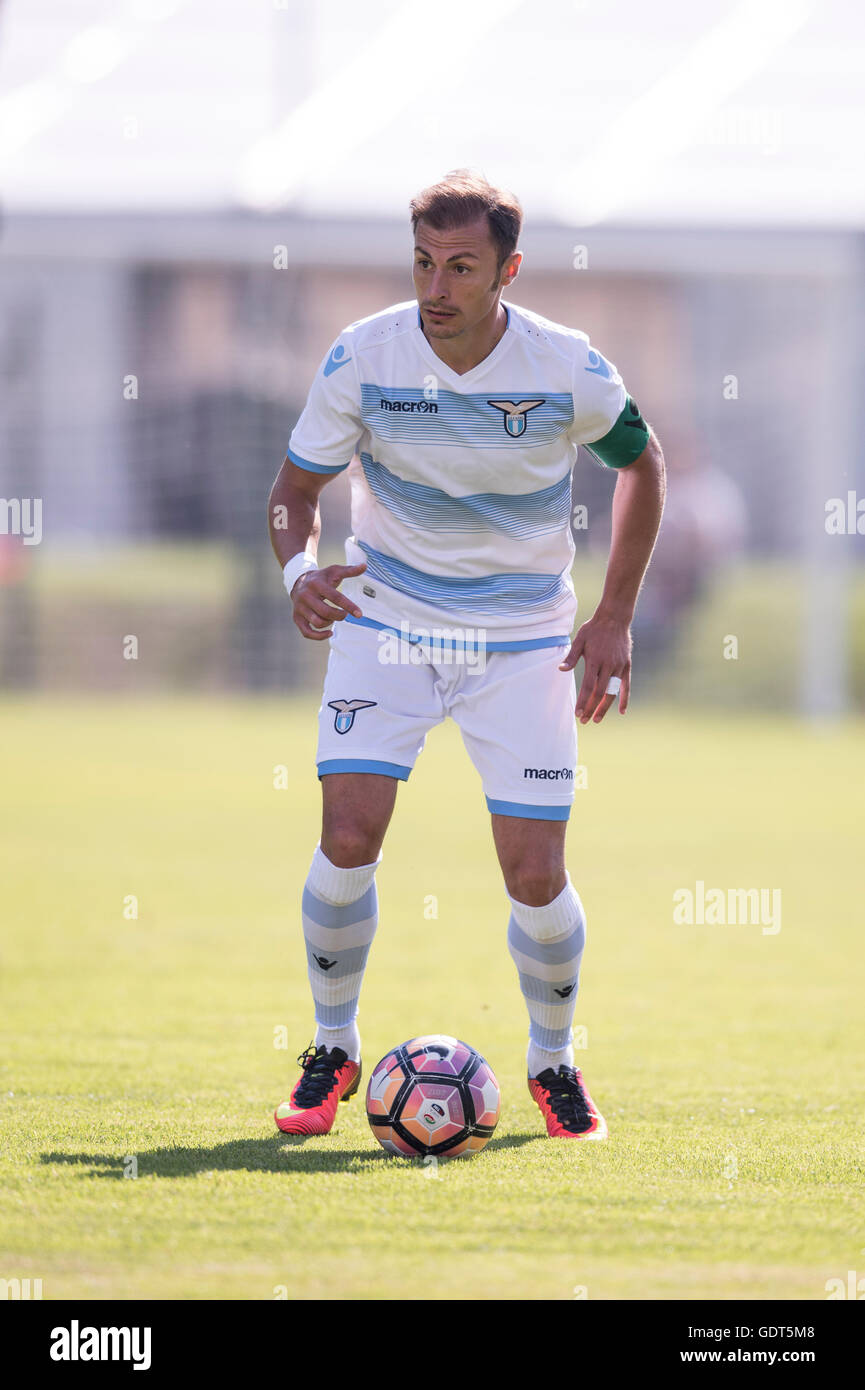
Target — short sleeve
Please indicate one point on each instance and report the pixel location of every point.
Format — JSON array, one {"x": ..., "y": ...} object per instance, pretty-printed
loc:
[
  {"x": 606, "y": 420},
  {"x": 327, "y": 433}
]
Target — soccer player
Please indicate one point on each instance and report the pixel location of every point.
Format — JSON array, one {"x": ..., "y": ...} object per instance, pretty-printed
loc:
[{"x": 459, "y": 416}]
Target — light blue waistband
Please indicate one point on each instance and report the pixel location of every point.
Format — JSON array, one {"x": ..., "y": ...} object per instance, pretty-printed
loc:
[{"x": 457, "y": 644}]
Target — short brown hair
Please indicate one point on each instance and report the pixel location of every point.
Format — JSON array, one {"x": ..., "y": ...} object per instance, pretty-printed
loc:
[{"x": 463, "y": 195}]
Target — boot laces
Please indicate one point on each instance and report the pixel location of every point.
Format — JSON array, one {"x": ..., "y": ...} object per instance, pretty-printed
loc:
[
  {"x": 319, "y": 1072},
  {"x": 567, "y": 1097}
]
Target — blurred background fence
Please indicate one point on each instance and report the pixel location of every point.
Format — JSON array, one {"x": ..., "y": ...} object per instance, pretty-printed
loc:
[{"x": 156, "y": 347}]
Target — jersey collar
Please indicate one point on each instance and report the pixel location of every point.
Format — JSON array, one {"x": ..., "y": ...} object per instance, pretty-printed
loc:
[{"x": 461, "y": 380}]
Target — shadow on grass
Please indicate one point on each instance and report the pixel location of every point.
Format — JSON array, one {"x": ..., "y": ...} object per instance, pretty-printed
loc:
[{"x": 280, "y": 1153}]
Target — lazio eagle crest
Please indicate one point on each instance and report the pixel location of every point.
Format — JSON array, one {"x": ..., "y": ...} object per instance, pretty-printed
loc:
[
  {"x": 345, "y": 712},
  {"x": 515, "y": 413}
]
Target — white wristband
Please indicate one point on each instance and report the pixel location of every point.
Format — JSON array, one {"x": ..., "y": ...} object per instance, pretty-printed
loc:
[{"x": 295, "y": 567}]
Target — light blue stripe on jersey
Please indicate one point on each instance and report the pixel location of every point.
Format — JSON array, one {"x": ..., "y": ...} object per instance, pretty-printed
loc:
[
  {"x": 489, "y": 593},
  {"x": 455, "y": 419},
  {"x": 522, "y": 514},
  {"x": 316, "y": 467},
  {"x": 455, "y": 644}
]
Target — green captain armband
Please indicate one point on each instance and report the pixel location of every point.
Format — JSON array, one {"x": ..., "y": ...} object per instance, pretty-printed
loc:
[{"x": 625, "y": 441}]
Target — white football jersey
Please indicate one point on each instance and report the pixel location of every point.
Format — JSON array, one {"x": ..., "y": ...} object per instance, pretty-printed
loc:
[{"x": 461, "y": 484}]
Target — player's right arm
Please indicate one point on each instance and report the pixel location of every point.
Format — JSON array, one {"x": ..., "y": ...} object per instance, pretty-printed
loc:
[
  {"x": 295, "y": 526},
  {"x": 321, "y": 446}
]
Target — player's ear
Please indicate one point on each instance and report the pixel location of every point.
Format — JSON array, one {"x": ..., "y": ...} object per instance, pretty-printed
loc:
[{"x": 511, "y": 267}]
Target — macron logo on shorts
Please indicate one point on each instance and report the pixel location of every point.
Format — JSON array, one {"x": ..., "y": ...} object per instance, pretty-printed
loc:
[{"x": 551, "y": 774}]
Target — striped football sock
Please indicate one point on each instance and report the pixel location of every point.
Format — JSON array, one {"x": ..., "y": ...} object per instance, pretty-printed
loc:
[
  {"x": 546, "y": 944},
  {"x": 340, "y": 915}
]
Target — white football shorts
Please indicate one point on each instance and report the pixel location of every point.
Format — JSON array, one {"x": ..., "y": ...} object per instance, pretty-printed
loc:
[{"x": 515, "y": 710}]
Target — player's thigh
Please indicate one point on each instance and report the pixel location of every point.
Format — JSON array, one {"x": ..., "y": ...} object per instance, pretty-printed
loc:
[
  {"x": 532, "y": 857},
  {"x": 379, "y": 701},
  {"x": 373, "y": 721},
  {"x": 356, "y": 812},
  {"x": 517, "y": 722}
]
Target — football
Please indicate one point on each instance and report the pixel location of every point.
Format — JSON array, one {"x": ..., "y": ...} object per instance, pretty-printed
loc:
[{"x": 433, "y": 1095}]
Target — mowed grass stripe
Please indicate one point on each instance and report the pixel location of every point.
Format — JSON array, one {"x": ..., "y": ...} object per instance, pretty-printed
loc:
[{"x": 728, "y": 1061}]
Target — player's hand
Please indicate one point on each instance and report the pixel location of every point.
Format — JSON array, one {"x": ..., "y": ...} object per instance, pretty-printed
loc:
[
  {"x": 318, "y": 602},
  {"x": 605, "y": 644}
]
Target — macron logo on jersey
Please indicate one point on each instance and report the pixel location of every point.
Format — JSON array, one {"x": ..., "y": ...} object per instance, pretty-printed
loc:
[
  {"x": 600, "y": 366},
  {"x": 336, "y": 360},
  {"x": 425, "y": 407}
]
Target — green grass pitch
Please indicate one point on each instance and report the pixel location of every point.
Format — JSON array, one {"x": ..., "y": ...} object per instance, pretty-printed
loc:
[{"x": 728, "y": 1061}]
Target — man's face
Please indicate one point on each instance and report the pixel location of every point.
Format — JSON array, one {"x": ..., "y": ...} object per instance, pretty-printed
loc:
[{"x": 457, "y": 278}]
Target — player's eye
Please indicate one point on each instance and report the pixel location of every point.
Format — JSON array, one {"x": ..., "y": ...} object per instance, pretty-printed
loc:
[
  {"x": 462, "y": 267},
  {"x": 421, "y": 265}
]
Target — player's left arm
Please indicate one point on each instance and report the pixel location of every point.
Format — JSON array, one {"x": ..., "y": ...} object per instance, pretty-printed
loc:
[{"x": 605, "y": 640}]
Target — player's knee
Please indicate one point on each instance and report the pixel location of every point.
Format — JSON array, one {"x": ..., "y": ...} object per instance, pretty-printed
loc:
[
  {"x": 350, "y": 844},
  {"x": 534, "y": 884}
]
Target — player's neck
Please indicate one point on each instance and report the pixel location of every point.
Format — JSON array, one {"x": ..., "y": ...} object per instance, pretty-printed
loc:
[{"x": 466, "y": 352}]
